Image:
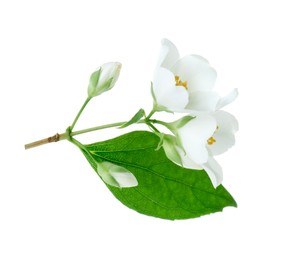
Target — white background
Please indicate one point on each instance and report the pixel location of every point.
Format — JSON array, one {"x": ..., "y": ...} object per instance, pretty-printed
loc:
[{"x": 53, "y": 206}]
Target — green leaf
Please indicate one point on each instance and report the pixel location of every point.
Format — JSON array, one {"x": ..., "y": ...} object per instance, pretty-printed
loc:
[
  {"x": 134, "y": 119},
  {"x": 164, "y": 189}
]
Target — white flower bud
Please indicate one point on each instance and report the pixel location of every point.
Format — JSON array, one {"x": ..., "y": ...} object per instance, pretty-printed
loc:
[
  {"x": 104, "y": 78},
  {"x": 116, "y": 176}
]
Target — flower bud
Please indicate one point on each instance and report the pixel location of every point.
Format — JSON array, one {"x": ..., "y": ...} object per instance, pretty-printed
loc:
[
  {"x": 104, "y": 78},
  {"x": 116, "y": 176},
  {"x": 171, "y": 149}
]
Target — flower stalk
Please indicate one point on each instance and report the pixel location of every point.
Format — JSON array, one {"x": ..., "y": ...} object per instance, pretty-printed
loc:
[{"x": 80, "y": 112}]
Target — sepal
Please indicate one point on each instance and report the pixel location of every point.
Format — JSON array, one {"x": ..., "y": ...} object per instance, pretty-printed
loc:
[{"x": 134, "y": 119}]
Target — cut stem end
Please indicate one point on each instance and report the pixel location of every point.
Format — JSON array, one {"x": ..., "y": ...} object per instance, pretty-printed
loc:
[{"x": 55, "y": 138}]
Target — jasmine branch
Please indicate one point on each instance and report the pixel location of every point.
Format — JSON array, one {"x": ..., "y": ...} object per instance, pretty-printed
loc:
[{"x": 67, "y": 135}]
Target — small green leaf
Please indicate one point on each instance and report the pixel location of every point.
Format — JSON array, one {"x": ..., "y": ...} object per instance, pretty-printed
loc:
[
  {"x": 164, "y": 189},
  {"x": 134, "y": 119}
]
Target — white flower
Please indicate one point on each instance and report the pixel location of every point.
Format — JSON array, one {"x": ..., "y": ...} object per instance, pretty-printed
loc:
[
  {"x": 199, "y": 140},
  {"x": 116, "y": 176},
  {"x": 185, "y": 84},
  {"x": 104, "y": 78}
]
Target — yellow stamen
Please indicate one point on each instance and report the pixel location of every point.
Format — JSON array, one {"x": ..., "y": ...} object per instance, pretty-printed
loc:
[
  {"x": 178, "y": 82},
  {"x": 211, "y": 140}
]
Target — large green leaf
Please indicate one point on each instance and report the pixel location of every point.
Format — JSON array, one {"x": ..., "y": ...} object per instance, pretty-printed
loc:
[{"x": 165, "y": 190}]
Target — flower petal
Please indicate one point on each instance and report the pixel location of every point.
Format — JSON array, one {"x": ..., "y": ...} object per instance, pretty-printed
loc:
[
  {"x": 223, "y": 142},
  {"x": 226, "y": 121},
  {"x": 196, "y": 71},
  {"x": 176, "y": 154},
  {"x": 168, "y": 54},
  {"x": 125, "y": 179},
  {"x": 227, "y": 99},
  {"x": 194, "y": 136},
  {"x": 187, "y": 162},
  {"x": 200, "y": 57},
  {"x": 167, "y": 94},
  {"x": 214, "y": 171},
  {"x": 203, "y": 101},
  {"x": 227, "y": 125}
]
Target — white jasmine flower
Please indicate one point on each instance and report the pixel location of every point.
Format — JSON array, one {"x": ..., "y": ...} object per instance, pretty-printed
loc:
[
  {"x": 199, "y": 140},
  {"x": 185, "y": 84}
]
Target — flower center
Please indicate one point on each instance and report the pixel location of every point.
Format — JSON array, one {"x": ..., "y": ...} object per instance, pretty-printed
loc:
[
  {"x": 179, "y": 82},
  {"x": 211, "y": 140}
]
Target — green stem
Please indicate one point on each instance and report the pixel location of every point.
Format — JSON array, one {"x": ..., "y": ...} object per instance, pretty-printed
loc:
[
  {"x": 81, "y": 147},
  {"x": 167, "y": 125},
  {"x": 79, "y": 113},
  {"x": 152, "y": 126},
  {"x": 97, "y": 128},
  {"x": 78, "y": 144},
  {"x": 151, "y": 113}
]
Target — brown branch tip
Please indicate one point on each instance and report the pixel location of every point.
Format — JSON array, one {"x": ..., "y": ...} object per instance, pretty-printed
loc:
[{"x": 51, "y": 139}]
